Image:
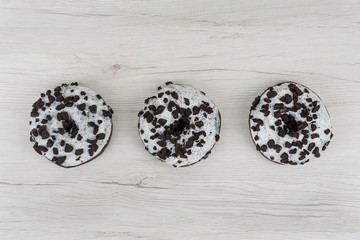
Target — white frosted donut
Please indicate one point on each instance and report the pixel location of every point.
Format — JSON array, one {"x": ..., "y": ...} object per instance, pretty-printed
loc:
[
  {"x": 71, "y": 125},
  {"x": 289, "y": 124},
  {"x": 179, "y": 125}
]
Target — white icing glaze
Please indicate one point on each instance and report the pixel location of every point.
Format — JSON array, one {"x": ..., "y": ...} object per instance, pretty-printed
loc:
[
  {"x": 81, "y": 122},
  {"x": 266, "y": 133},
  {"x": 212, "y": 123}
]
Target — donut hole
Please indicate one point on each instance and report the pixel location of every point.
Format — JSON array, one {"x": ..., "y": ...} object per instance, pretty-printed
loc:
[
  {"x": 291, "y": 125},
  {"x": 180, "y": 125},
  {"x": 70, "y": 127}
]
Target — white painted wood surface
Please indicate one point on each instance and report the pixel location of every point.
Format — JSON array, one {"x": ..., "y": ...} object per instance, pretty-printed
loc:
[{"x": 232, "y": 50}]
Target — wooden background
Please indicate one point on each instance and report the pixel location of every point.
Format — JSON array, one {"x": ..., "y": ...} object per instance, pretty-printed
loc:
[{"x": 232, "y": 50}]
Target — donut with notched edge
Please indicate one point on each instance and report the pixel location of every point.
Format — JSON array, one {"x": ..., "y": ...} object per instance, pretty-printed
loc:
[
  {"x": 71, "y": 125},
  {"x": 179, "y": 125},
  {"x": 289, "y": 124}
]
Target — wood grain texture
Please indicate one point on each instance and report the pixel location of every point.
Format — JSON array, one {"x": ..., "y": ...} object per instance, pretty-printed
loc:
[{"x": 232, "y": 50}]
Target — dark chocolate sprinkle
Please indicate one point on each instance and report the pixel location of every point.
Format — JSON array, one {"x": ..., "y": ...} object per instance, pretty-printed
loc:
[
  {"x": 263, "y": 148},
  {"x": 60, "y": 107},
  {"x": 159, "y": 110},
  {"x": 278, "y": 106},
  {"x": 271, "y": 94},
  {"x": 186, "y": 100},
  {"x": 217, "y": 137},
  {"x": 59, "y": 160},
  {"x": 162, "y": 121},
  {"x": 93, "y": 108},
  {"x": 255, "y": 103},
  {"x": 152, "y": 108},
  {"x": 293, "y": 151},
  {"x": 79, "y": 152},
  {"x": 277, "y": 148},
  {"x": 96, "y": 129},
  {"x": 34, "y": 132},
  {"x": 161, "y": 143},
  {"x": 106, "y": 113},
  {"x": 92, "y": 141},
  {"x": 68, "y": 148},
  {"x": 91, "y": 152},
  {"x": 79, "y": 137},
  {"x": 315, "y": 135},
  {"x": 49, "y": 143},
  {"x": 196, "y": 110},
  {"x": 55, "y": 151},
  {"x": 267, "y": 100},
  {"x": 287, "y": 144},
  {"x": 311, "y": 146},
  {"x": 277, "y": 114},
  {"x": 189, "y": 143},
  {"x": 94, "y": 147},
  {"x": 100, "y": 136},
  {"x": 199, "y": 124},
  {"x": 316, "y": 152},
  {"x": 271, "y": 143},
  {"x": 81, "y": 107},
  {"x": 301, "y": 126},
  {"x": 62, "y": 116},
  {"x": 43, "y": 132}
]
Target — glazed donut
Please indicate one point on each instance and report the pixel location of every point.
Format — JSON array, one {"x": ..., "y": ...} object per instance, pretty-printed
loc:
[
  {"x": 179, "y": 125},
  {"x": 70, "y": 126},
  {"x": 289, "y": 124}
]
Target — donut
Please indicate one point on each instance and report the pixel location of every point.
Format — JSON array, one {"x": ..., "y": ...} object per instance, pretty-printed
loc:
[
  {"x": 289, "y": 124},
  {"x": 179, "y": 125},
  {"x": 71, "y": 125}
]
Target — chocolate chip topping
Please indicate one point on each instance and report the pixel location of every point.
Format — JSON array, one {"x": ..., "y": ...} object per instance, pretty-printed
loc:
[
  {"x": 271, "y": 94},
  {"x": 49, "y": 143},
  {"x": 162, "y": 121},
  {"x": 271, "y": 143},
  {"x": 159, "y": 110},
  {"x": 100, "y": 136},
  {"x": 63, "y": 116},
  {"x": 79, "y": 151},
  {"x": 81, "y": 107},
  {"x": 174, "y": 95},
  {"x": 68, "y": 148},
  {"x": 59, "y": 160},
  {"x": 43, "y": 132},
  {"x": 187, "y": 101},
  {"x": 217, "y": 137},
  {"x": 107, "y": 113},
  {"x": 55, "y": 151},
  {"x": 93, "y": 108}
]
